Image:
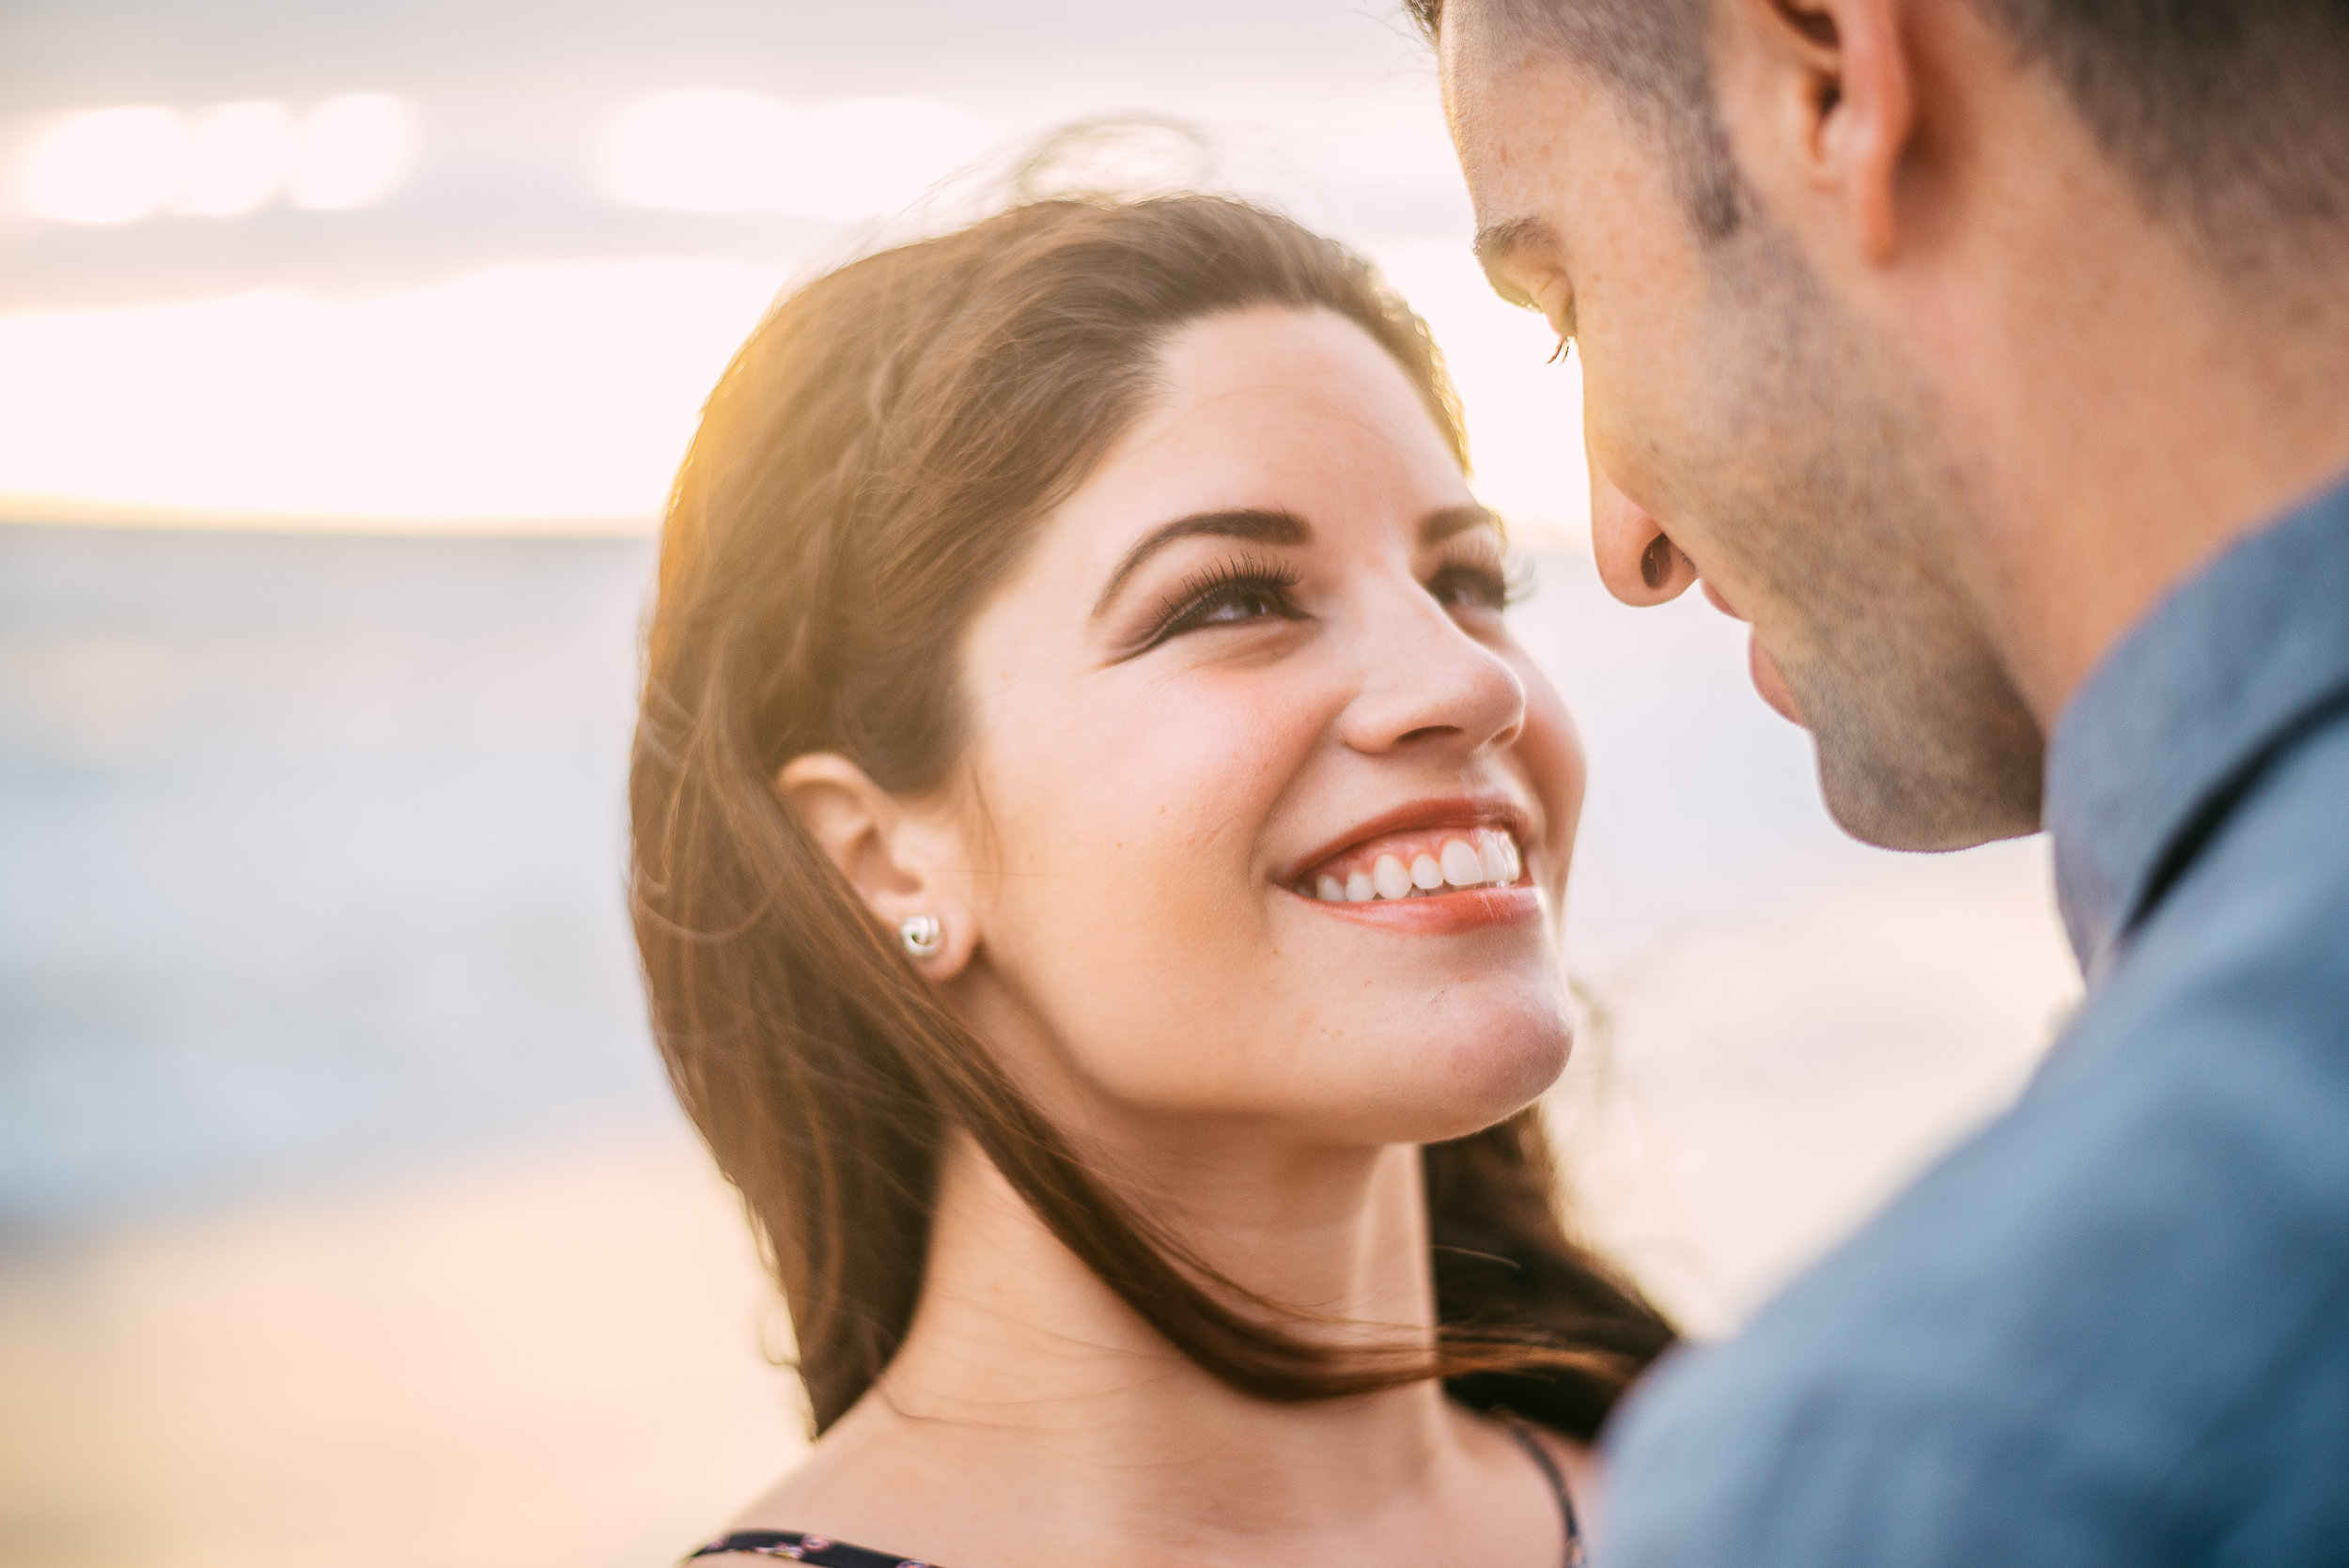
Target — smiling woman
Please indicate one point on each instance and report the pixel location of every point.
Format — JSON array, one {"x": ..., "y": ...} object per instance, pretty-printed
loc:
[{"x": 1099, "y": 853}]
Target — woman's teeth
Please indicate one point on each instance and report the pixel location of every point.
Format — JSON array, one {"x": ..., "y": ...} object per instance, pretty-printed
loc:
[{"x": 1476, "y": 859}]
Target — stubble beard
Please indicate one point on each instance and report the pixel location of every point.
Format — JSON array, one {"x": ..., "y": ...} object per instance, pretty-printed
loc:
[{"x": 1837, "y": 502}]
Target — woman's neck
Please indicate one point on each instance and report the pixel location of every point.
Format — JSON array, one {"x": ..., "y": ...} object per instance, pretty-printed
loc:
[
  {"x": 1013, "y": 1330},
  {"x": 1029, "y": 1398}
]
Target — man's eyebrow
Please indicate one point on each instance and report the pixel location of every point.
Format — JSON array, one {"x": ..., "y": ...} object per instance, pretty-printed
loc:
[
  {"x": 1499, "y": 242},
  {"x": 1436, "y": 527},
  {"x": 1271, "y": 528}
]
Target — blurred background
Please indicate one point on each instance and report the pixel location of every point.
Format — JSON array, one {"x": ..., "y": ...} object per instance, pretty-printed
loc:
[{"x": 345, "y": 355}]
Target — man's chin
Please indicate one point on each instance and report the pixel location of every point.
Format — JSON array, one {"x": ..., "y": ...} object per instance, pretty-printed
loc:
[{"x": 1770, "y": 683}]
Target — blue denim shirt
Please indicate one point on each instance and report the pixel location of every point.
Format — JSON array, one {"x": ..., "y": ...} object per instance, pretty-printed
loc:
[{"x": 2112, "y": 1328}]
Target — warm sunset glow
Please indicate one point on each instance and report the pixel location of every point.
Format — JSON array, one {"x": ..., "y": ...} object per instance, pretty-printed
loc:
[
  {"x": 739, "y": 153},
  {"x": 239, "y": 154},
  {"x": 119, "y": 165},
  {"x": 556, "y": 395},
  {"x": 1524, "y": 411},
  {"x": 106, "y": 166},
  {"x": 355, "y": 151}
]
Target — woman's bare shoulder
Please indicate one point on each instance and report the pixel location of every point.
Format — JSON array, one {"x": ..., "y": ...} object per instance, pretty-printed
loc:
[{"x": 844, "y": 1501}]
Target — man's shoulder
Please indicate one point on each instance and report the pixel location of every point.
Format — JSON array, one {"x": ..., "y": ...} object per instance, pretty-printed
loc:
[
  {"x": 2184, "y": 1146},
  {"x": 2179, "y": 1163},
  {"x": 2150, "y": 1248},
  {"x": 2261, "y": 890}
]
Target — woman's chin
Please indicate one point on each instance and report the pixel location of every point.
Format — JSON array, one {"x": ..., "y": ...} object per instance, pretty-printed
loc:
[
  {"x": 1506, "y": 1077},
  {"x": 1484, "y": 1072}
]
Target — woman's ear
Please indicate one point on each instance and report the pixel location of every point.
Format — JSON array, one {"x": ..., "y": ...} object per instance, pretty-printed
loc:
[{"x": 897, "y": 861}]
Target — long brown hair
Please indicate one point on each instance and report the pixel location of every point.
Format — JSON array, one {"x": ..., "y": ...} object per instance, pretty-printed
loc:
[{"x": 867, "y": 470}]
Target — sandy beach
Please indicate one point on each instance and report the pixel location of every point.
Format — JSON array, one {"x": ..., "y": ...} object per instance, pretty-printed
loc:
[
  {"x": 560, "y": 1355},
  {"x": 550, "y": 1357}
]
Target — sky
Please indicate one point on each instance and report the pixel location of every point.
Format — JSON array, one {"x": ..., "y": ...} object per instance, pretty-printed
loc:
[{"x": 476, "y": 265}]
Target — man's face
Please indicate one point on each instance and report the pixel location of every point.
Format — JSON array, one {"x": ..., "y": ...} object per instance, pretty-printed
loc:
[{"x": 1780, "y": 440}]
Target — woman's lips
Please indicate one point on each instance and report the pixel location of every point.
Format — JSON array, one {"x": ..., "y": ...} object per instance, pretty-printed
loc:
[
  {"x": 1443, "y": 914},
  {"x": 1464, "y": 815},
  {"x": 1436, "y": 866},
  {"x": 1415, "y": 862}
]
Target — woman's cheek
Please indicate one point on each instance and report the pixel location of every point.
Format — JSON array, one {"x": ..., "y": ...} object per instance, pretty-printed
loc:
[
  {"x": 1149, "y": 793},
  {"x": 1220, "y": 730}
]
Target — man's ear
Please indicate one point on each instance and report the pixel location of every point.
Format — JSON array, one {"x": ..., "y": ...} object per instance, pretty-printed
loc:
[
  {"x": 901, "y": 863},
  {"x": 1836, "y": 87}
]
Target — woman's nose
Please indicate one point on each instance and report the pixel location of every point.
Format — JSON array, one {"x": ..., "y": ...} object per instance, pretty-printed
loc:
[
  {"x": 1429, "y": 685},
  {"x": 1637, "y": 560}
]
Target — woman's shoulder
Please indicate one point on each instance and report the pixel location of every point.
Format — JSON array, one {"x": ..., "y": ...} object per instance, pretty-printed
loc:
[{"x": 836, "y": 1507}]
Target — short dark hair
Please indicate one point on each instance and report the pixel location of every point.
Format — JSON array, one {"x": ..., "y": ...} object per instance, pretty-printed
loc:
[
  {"x": 2227, "y": 113},
  {"x": 1652, "y": 54}
]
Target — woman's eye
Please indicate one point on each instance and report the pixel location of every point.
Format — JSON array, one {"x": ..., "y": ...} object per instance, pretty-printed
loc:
[
  {"x": 1238, "y": 604},
  {"x": 1470, "y": 588},
  {"x": 1230, "y": 594}
]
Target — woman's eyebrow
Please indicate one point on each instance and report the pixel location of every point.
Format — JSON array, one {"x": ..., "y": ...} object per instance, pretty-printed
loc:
[
  {"x": 1271, "y": 528},
  {"x": 1438, "y": 526}
]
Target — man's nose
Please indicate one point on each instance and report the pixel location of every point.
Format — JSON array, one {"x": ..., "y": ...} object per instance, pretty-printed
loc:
[{"x": 1637, "y": 560}]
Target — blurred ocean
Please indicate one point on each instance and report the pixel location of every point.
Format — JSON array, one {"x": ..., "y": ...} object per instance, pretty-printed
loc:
[
  {"x": 312, "y": 845},
  {"x": 310, "y": 858}
]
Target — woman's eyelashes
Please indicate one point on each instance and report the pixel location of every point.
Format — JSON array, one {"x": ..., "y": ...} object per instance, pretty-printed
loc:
[
  {"x": 1242, "y": 591},
  {"x": 1232, "y": 593},
  {"x": 1477, "y": 579}
]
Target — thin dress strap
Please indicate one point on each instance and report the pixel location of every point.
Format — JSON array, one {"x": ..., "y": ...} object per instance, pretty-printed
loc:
[
  {"x": 819, "y": 1549},
  {"x": 828, "y": 1553},
  {"x": 1539, "y": 1454}
]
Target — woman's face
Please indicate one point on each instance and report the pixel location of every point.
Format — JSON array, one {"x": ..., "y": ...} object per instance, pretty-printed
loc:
[{"x": 1268, "y": 816}]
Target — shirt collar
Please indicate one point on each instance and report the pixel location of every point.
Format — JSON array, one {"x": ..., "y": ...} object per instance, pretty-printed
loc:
[{"x": 2176, "y": 716}]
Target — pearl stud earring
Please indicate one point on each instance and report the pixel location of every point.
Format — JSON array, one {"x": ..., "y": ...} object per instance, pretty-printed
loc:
[{"x": 922, "y": 936}]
